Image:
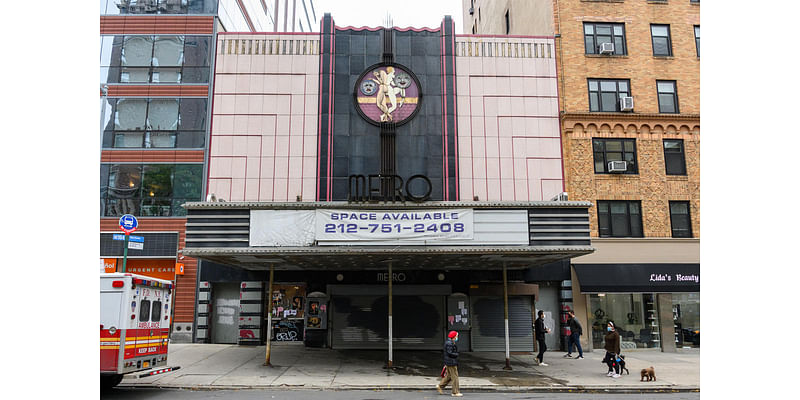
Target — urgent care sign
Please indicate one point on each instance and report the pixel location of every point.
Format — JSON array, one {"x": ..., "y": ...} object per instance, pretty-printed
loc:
[{"x": 160, "y": 269}]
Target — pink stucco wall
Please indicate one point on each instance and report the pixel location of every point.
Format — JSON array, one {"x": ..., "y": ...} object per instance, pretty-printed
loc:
[
  {"x": 264, "y": 118},
  {"x": 508, "y": 136}
]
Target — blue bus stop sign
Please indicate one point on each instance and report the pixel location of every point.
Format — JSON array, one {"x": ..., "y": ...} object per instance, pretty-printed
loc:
[{"x": 128, "y": 223}]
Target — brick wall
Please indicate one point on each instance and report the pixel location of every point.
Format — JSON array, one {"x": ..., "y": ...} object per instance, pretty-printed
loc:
[{"x": 651, "y": 185}]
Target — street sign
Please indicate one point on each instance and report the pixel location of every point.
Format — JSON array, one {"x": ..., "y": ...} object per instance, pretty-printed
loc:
[
  {"x": 118, "y": 236},
  {"x": 136, "y": 245},
  {"x": 137, "y": 239},
  {"x": 128, "y": 223}
]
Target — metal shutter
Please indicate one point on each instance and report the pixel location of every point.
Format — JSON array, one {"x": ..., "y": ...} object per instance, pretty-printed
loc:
[
  {"x": 361, "y": 322},
  {"x": 488, "y": 328}
]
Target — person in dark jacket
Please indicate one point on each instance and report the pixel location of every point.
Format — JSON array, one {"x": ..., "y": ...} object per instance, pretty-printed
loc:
[
  {"x": 540, "y": 330},
  {"x": 451, "y": 364},
  {"x": 576, "y": 330},
  {"x": 612, "y": 347}
]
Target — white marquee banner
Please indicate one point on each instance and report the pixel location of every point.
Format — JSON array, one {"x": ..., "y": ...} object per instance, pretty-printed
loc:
[{"x": 367, "y": 225}]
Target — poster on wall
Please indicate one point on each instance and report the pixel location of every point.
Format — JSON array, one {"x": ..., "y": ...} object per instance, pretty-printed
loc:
[
  {"x": 372, "y": 225},
  {"x": 288, "y": 303}
]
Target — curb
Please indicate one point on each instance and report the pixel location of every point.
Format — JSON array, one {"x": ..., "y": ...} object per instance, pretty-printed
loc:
[{"x": 515, "y": 389}]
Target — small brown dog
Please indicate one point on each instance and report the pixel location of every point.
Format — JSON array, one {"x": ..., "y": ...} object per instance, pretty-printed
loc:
[{"x": 650, "y": 373}]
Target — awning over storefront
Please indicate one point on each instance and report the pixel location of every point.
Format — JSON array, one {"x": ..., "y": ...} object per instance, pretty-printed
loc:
[
  {"x": 341, "y": 236},
  {"x": 638, "y": 278}
]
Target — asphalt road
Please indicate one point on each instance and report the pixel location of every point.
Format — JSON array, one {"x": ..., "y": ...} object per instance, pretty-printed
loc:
[{"x": 178, "y": 394}]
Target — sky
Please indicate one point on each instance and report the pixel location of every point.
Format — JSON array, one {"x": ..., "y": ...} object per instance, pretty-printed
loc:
[{"x": 404, "y": 13}]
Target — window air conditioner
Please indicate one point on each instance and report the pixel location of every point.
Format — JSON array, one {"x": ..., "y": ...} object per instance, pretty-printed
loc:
[
  {"x": 606, "y": 48},
  {"x": 626, "y": 103},
  {"x": 617, "y": 166},
  {"x": 471, "y": 10}
]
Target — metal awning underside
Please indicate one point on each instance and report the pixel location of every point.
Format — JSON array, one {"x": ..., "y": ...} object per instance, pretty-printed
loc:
[
  {"x": 219, "y": 232},
  {"x": 405, "y": 257}
]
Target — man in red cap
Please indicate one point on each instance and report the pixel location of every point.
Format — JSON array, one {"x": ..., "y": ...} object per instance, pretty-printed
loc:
[{"x": 451, "y": 364}]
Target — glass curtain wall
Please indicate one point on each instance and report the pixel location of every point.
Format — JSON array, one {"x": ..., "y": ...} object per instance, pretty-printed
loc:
[
  {"x": 153, "y": 123},
  {"x": 151, "y": 190},
  {"x": 115, "y": 7},
  {"x": 634, "y": 315},
  {"x": 144, "y": 59}
]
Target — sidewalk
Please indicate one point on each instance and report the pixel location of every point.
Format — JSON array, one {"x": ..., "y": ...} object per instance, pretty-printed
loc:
[{"x": 220, "y": 366}]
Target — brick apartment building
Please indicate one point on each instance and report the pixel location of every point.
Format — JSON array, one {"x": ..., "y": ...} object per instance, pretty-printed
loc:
[{"x": 629, "y": 91}]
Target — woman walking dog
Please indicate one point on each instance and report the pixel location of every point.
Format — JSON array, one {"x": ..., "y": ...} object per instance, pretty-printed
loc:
[{"x": 612, "y": 347}]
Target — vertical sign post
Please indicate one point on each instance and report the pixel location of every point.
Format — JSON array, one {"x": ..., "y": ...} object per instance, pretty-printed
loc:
[{"x": 128, "y": 224}]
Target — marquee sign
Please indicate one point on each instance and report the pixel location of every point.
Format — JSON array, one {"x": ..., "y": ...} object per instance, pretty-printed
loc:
[
  {"x": 387, "y": 92},
  {"x": 370, "y": 225}
]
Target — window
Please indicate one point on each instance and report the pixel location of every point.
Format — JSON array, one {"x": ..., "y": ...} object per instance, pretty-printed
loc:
[
  {"x": 679, "y": 217},
  {"x": 667, "y": 97},
  {"x": 697, "y": 38},
  {"x": 674, "y": 157},
  {"x": 109, "y": 7},
  {"x": 662, "y": 45},
  {"x": 144, "y": 311},
  {"x": 156, "y": 314},
  {"x": 508, "y": 23},
  {"x": 594, "y": 34},
  {"x": 155, "y": 190},
  {"x": 604, "y": 94},
  {"x": 154, "y": 123},
  {"x": 619, "y": 218},
  {"x": 606, "y": 150},
  {"x": 155, "y": 59}
]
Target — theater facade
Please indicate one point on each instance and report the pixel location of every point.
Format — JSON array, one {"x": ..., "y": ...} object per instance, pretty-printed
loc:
[{"x": 385, "y": 183}]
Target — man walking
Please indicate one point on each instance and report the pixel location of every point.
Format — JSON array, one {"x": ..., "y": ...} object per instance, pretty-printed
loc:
[
  {"x": 451, "y": 364},
  {"x": 576, "y": 330},
  {"x": 540, "y": 329}
]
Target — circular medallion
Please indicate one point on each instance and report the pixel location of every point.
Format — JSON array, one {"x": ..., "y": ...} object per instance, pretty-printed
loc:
[{"x": 387, "y": 92}]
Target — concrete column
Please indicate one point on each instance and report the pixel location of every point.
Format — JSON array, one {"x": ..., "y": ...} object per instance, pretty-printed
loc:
[
  {"x": 666, "y": 323},
  {"x": 580, "y": 303}
]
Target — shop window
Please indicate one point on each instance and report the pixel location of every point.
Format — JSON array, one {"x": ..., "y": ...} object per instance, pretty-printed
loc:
[
  {"x": 144, "y": 311},
  {"x": 686, "y": 314},
  {"x": 619, "y": 218},
  {"x": 634, "y": 315}
]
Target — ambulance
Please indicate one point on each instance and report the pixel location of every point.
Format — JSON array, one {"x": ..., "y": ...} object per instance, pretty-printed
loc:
[{"x": 134, "y": 326}]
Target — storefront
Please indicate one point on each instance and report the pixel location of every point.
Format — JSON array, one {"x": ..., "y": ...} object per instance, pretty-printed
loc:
[{"x": 648, "y": 303}]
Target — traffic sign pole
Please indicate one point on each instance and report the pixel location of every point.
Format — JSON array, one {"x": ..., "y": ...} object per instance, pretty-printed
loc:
[
  {"x": 128, "y": 224},
  {"x": 125, "y": 252}
]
